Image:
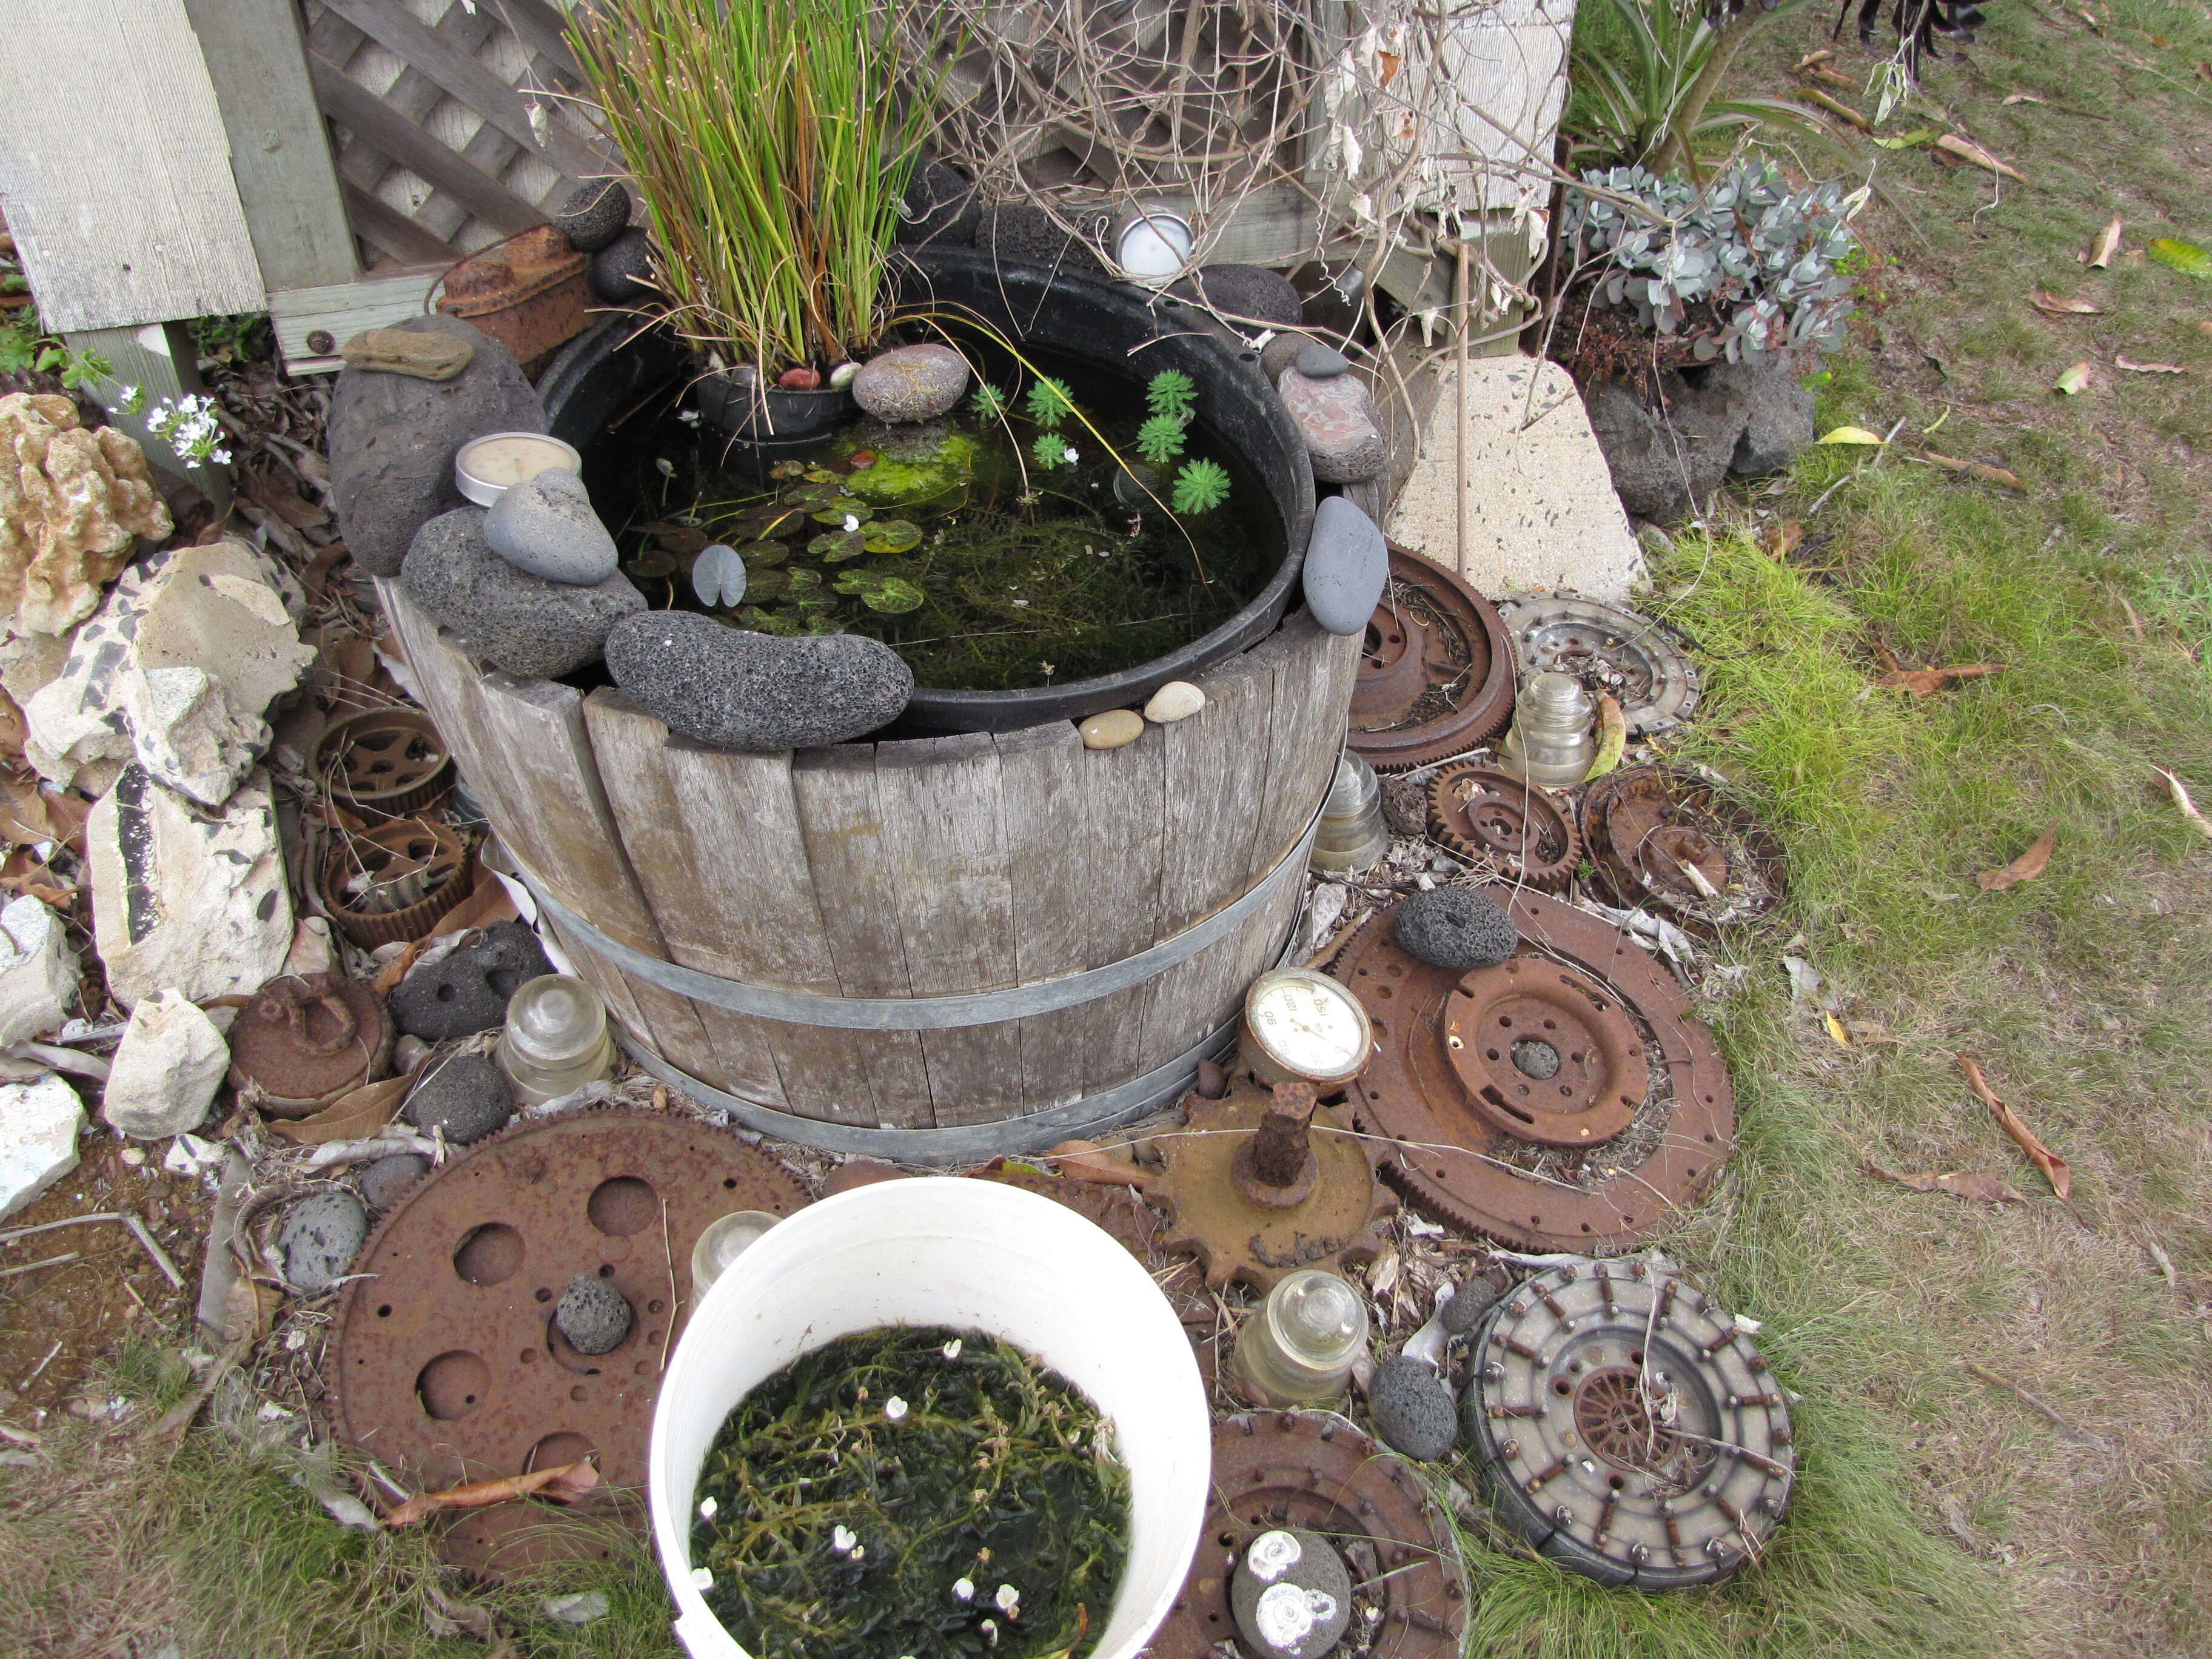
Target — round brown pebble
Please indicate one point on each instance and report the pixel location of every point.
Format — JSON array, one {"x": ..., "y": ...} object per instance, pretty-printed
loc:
[{"x": 1112, "y": 729}]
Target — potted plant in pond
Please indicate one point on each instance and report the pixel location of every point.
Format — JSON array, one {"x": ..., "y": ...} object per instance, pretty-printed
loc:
[{"x": 772, "y": 157}]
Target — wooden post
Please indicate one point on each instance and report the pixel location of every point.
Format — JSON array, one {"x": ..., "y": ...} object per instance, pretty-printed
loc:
[{"x": 160, "y": 359}]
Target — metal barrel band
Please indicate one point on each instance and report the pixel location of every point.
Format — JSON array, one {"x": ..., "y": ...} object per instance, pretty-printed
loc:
[{"x": 926, "y": 1013}]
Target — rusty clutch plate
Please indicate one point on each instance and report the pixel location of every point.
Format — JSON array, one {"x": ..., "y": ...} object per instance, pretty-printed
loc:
[
  {"x": 1667, "y": 839},
  {"x": 1315, "y": 1471},
  {"x": 1625, "y": 1427},
  {"x": 1436, "y": 672},
  {"x": 449, "y": 1366},
  {"x": 1564, "y": 1099},
  {"x": 1644, "y": 665}
]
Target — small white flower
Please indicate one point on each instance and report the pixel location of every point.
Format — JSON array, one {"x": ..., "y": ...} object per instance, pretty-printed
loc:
[
  {"x": 1007, "y": 1598},
  {"x": 851, "y": 522},
  {"x": 991, "y": 1631},
  {"x": 1068, "y": 455},
  {"x": 894, "y": 1409},
  {"x": 843, "y": 1539},
  {"x": 859, "y": 1550},
  {"x": 953, "y": 1349},
  {"x": 688, "y": 416},
  {"x": 702, "y": 1578},
  {"x": 665, "y": 466},
  {"x": 707, "y": 1508},
  {"x": 963, "y": 1589},
  {"x": 1019, "y": 603}
]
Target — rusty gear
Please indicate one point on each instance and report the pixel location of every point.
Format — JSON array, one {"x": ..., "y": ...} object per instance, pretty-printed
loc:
[
  {"x": 448, "y": 1365},
  {"x": 301, "y": 1043},
  {"x": 1625, "y": 1427},
  {"x": 1644, "y": 666},
  {"x": 384, "y": 763},
  {"x": 1667, "y": 839},
  {"x": 1611, "y": 1001},
  {"x": 1314, "y": 1470},
  {"x": 1487, "y": 815},
  {"x": 1435, "y": 673},
  {"x": 1339, "y": 1221},
  {"x": 391, "y": 883}
]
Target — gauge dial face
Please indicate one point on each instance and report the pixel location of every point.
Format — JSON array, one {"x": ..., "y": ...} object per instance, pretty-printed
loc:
[{"x": 1308, "y": 1024}]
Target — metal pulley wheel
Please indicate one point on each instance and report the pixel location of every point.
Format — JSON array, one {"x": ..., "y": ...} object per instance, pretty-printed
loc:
[
  {"x": 391, "y": 883},
  {"x": 1645, "y": 667},
  {"x": 302, "y": 1042},
  {"x": 1316, "y": 1472},
  {"x": 384, "y": 763},
  {"x": 1595, "y": 1021},
  {"x": 1436, "y": 672},
  {"x": 1626, "y": 1428},
  {"x": 1486, "y": 814},
  {"x": 1667, "y": 839}
]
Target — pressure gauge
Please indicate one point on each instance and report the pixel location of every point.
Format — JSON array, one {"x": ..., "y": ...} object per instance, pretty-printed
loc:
[{"x": 1302, "y": 1025}]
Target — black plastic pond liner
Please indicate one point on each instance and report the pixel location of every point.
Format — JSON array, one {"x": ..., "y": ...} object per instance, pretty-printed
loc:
[{"x": 1126, "y": 332}]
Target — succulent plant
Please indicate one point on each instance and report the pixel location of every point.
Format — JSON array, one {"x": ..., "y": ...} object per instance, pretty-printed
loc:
[{"x": 1743, "y": 269}]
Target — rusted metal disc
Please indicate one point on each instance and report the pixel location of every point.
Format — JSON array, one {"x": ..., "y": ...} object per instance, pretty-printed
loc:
[
  {"x": 1458, "y": 1166},
  {"x": 1643, "y": 665},
  {"x": 1340, "y": 1223},
  {"x": 1544, "y": 1052},
  {"x": 301, "y": 1043},
  {"x": 1316, "y": 1472},
  {"x": 384, "y": 763},
  {"x": 415, "y": 869},
  {"x": 1436, "y": 672},
  {"x": 449, "y": 1366},
  {"x": 1667, "y": 839},
  {"x": 1626, "y": 1428},
  {"x": 1485, "y": 813}
]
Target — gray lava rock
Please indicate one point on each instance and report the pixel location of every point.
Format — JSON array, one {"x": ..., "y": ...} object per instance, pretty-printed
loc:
[
  {"x": 1248, "y": 294},
  {"x": 464, "y": 1098},
  {"x": 319, "y": 1236},
  {"x": 1456, "y": 928},
  {"x": 1533, "y": 1057},
  {"x": 465, "y": 992},
  {"x": 591, "y": 1315},
  {"x": 593, "y": 215},
  {"x": 523, "y": 624},
  {"x": 1291, "y": 1596},
  {"x": 754, "y": 692},
  {"x": 1346, "y": 566},
  {"x": 622, "y": 272},
  {"x": 545, "y": 525},
  {"x": 1321, "y": 362},
  {"x": 1667, "y": 462},
  {"x": 940, "y": 208},
  {"x": 1014, "y": 232},
  {"x": 1780, "y": 422},
  {"x": 911, "y": 383},
  {"x": 1475, "y": 1296},
  {"x": 392, "y": 439},
  {"x": 1412, "y": 1409},
  {"x": 385, "y": 1182}
]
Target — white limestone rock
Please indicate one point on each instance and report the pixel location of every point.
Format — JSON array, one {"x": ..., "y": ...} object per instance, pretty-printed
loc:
[
  {"x": 183, "y": 898},
  {"x": 38, "y": 970},
  {"x": 39, "y": 1127},
  {"x": 166, "y": 1070}
]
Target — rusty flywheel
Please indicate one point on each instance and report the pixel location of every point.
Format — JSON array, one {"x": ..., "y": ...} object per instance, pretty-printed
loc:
[
  {"x": 1669, "y": 839},
  {"x": 1564, "y": 1100},
  {"x": 1485, "y": 813},
  {"x": 1436, "y": 672},
  {"x": 1315, "y": 1471}
]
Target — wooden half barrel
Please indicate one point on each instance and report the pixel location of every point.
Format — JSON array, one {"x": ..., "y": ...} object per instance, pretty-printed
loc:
[{"x": 935, "y": 949}]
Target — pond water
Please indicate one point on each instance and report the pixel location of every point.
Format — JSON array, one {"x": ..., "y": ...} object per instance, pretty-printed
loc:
[{"x": 992, "y": 551}]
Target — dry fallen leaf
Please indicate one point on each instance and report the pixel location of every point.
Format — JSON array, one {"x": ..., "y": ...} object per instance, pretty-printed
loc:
[
  {"x": 1836, "y": 1032},
  {"x": 568, "y": 1481},
  {"x": 1927, "y": 682},
  {"x": 1086, "y": 1160},
  {"x": 1987, "y": 1185},
  {"x": 1967, "y": 150},
  {"x": 2073, "y": 380},
  {"x": 1980, "y": 470},
  {"x": 2058, "y": 307},
  {"x": 1781, "y": 535},
  {"x": 2026, "y": 867},
  {"x": 2108, "y": 244},
  {"x": 2053, "y": 1166},
  {"x": 1851, "y": 434},
  {"x": 2024, "y": 98},
  {"x": 2175, "y": 787},
  {"x": 2149, "y": 368}
]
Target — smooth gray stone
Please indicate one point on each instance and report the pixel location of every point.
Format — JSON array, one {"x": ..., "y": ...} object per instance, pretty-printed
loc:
[
  {"x": 1282, "y": 352},
  {"x": 591, "y": 1315},
  {"x": 545, "y": 525},
  {"x": 911, "y": 383},
  {"x": 1413, "y": 1411},
  {"x": 1455, "y": 928},
  {"x": 463, "y": 1097},
  {"x": 1346, "y": 567},
  {"x": 465, "y": 992},
  {"x": 523, "y": 623},
  {"x": 755, "y": 692},
  {"x": 384, "y": 1182},
  {"x": 1321, "y": 362},
  {"x": 392, "y": 439},
  {"x": 1316, "y": 1588},
  {"x": 593, "y": 214},
  {"x": 319, "y": 1236}
]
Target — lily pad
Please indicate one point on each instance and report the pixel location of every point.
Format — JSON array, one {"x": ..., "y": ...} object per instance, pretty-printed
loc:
[
  {"x": 652, "y": 564},
  {"x": 821, "y": 475},
  {"x": 836, "y": 546},
  {"x": 804, "y": 581},
  {"x": 890, "y": 536},
  {"x": 786, "y": 470},
  {"x": 718, "y": 576},
  {"x": 890, "y": 595},
  {"x": 765, "y": 587},
  {"x": 764, "y": 556},
  {"x": 769, "y": 622},
  {"x": 842, "y": 508}
]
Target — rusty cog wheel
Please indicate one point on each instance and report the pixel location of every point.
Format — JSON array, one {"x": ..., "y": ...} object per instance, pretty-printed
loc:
[
  {"x": 384, "y": 763},
  {"x": 1643, "y": 665},
  {"x": 1481, "y": 1156},
  {"x": 1436, "y": 672},
  {"x": 1315, "y": 1471},
  {"x": 447, "y": 1365},
  {"x": 1486, "y": 814},
  {"x": 1626, "y": 1428},
  {"x": 1334, "y": 1216},
  {"x": 1669, "y": 839}
]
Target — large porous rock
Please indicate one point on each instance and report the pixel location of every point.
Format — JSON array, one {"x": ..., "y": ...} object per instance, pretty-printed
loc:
[
  {"x": 523, "y": 624},
  {"x": 1668, "y": 461},
  {"x": 1336, "y": 416},
  {"x": 593, "y": 214},
  {"x": 38, "y": 970},
  {"x": 1414, "y": 1413},
  {"x": 463, "y": 1099},
  {"x": 622, "y": 272},
  {"x": 1014, "y": 233},
  {"x": 1780, "y": 422},
  {"x": 166, "y": 1069},
  {"x": 1291, "y": 1596},
  {"x": 1347, "y": 565},
  {"x": 185, "y": 899},
  {"x": 940, "y": 208},
  {"x": 1456, "y": 928},
  {"x": 175, "y": 673},
  {"x": 544, "y": 526},
  {"x": 911, "y": 383},
  {"x": 1251, "y": 296},
  {"x": 72, "y": 504},
  {"x": 592, "y": 1315},
  {"x": 392, "y": 439},
  {"x": 735, "y": 689},
  {"x": 466, "y": 992},
  {"x": 39, "y": 1125}
]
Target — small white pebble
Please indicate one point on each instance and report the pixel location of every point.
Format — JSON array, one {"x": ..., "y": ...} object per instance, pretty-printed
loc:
[
  {"x": 702, "y": 1578},
  {"x": 953, "y": 1348},
  {"x": 707, "y": 1508},
  {"x": 894, "y": 1409},
  {"x": 1006, "y": 1597},
  {"x": 963, "y": 1589},
  {"x": 133, "y": 1156}
]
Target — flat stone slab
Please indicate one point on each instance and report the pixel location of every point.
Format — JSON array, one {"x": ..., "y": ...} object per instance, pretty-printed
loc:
[{"x": 1541, "y": 513}]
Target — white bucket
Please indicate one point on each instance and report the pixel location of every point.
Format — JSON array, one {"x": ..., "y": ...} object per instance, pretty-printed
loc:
[{"x": 977, "y": 1255}]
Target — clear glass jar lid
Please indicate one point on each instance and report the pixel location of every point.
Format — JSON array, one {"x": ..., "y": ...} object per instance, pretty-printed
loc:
[
  {"x": 556, "y": 1020},
  {"x": 1319, "y": 1319}
]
